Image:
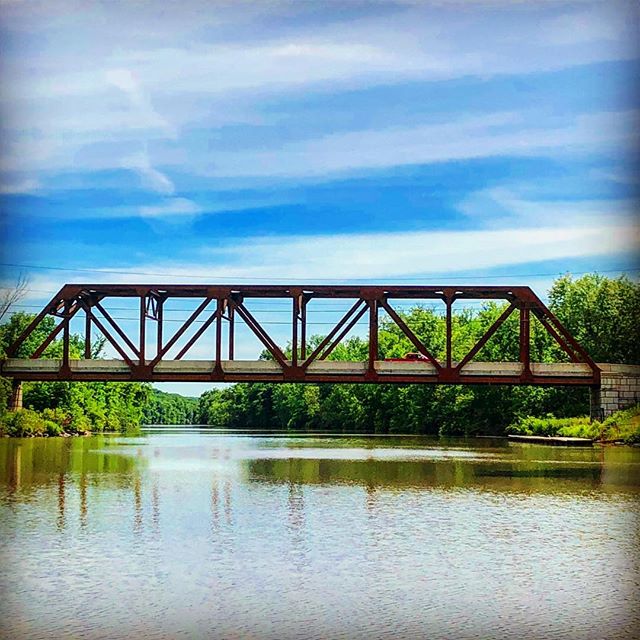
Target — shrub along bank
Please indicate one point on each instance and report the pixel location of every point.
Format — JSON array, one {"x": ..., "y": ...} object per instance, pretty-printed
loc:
[
  {"x": 622, "y": 426},
  {"x": 50, "y": 422},
  {"x": 90, "y": 407}
]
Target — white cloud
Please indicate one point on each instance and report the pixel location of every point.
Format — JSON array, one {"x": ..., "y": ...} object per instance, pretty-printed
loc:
[
  {"x": 170, "y": 208},
  {"x": 383, "y": 256},
  {"x": 595, "y": 23},
  {"x": 389, "y": 255},
  {"x": 620, "y": 175},
  {"x": 174, "y": 77},
  {"x": 462, "y": 137},
  {"x": 428, "y": 41},
  {"x": 144, "y": 115}
]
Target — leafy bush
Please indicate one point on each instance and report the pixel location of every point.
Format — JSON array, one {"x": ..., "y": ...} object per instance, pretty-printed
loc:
[
  {"x": 59, "y": 416},
  {"x": 551, "y": 426},
  {"x": 622, "y": 426},
  {"x": 79, "y": 422},
  {"x": 23, "y": 423},
  {"x": 52, "y": 428}
]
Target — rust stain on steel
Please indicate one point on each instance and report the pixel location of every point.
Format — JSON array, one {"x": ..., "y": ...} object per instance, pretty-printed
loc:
[{"x": 231, "y": 301}]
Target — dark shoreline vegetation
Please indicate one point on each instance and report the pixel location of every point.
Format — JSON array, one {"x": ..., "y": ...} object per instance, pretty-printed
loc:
[
  {"x": 620, "y": 427},
  {"x": 601, "y": 313}
]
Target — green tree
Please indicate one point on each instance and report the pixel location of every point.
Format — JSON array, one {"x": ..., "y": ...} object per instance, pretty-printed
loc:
[{"x": 602, "y": 315}]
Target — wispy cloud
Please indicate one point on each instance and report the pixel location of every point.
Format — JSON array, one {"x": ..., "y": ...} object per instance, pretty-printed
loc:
[
  {"x": 141, "y": 112},
  {"x": 406, "y": 43},
  {"x": 173, "y": 77},
  {"x": 512, "y": 134},
  {"x": 151, "y": 178},
  {"x": 383, "y": 256},
  {"x": 504, "y": 206},
  {"x": 169, "y": 208},
  {"x": 390, "y": 255}
]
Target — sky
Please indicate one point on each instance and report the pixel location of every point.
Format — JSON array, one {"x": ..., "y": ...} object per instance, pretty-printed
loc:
[{"x": 389, "y": 142}]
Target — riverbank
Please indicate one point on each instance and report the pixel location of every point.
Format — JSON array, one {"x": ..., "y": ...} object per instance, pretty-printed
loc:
[
  {"x": 27, "y": 423},
  {"x": 622, "y": 426}
]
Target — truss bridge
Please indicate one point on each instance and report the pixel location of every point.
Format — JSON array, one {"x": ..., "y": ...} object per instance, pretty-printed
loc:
[{"x": 151, "y": 352}]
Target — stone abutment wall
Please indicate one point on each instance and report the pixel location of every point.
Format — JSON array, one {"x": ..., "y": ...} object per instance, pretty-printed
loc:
[{"x": 619, "y": 389}]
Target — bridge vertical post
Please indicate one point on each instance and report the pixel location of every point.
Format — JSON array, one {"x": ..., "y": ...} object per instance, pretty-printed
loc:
[
  {"x": 15, "y": 401},
  {"x": 303, "y": 329},
  {"x": 66, "y": 338},
  {"x": 448, "y": 302},
  {"x": 525, "y": 350},
  {"x": 143, "y": 328},
  {"x": 295, "y": 312},
  {"x": 87, "y": 334},
  {"x": 218, "y": 346},
  {"x": 159, "y": 320},
  {"x": 231, "y": 328},
  {"x": 373, "y": 334}
]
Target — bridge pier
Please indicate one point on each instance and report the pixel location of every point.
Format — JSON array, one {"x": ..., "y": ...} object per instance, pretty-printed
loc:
[
  {"x": 619, "y": 389},
  {"x": 595, "y": 403},
  {"x": 15, "y": 401}
]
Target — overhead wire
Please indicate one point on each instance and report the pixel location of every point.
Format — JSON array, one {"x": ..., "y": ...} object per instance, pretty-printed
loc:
[{"x": 211, "y": 277}]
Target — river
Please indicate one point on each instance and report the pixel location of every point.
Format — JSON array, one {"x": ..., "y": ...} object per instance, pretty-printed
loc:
[{"x": 194, "y": 533}]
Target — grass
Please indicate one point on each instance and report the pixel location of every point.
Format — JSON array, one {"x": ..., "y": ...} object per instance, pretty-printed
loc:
[{"x": 622, "y": 426}]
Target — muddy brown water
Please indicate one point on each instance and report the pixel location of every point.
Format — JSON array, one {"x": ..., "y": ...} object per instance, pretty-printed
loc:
[{"x": 195, "y": 533}]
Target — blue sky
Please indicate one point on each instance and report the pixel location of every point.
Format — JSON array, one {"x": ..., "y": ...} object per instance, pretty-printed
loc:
[{"x": 321, "y": 141}]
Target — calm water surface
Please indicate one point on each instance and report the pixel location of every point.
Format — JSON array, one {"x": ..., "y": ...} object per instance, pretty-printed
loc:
[{"x": 201, "y": 534}]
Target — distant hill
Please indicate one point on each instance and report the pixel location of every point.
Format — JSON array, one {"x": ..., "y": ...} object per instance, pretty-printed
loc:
[{"x": 170, "y": 408}]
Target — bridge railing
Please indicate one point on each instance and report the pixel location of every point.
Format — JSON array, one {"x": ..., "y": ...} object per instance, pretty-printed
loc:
[{"x": 220, "y": 306}]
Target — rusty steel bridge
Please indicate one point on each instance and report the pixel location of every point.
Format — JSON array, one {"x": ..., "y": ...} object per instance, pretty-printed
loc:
[{"x": 145, "y": 356}]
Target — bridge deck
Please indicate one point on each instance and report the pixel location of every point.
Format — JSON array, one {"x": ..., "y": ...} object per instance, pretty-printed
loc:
[{"x": 318, "y": 371}]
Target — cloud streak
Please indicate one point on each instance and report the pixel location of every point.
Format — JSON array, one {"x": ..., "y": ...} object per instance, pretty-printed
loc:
[
  {"x": 496, "y": 134},
  {"x": 503, "y": 206},
  {"x": 385, "y": 256},
  {"x": 382, "y": 256}
]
